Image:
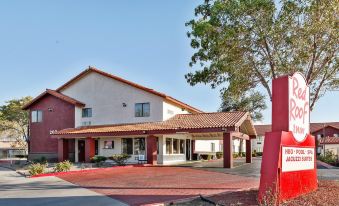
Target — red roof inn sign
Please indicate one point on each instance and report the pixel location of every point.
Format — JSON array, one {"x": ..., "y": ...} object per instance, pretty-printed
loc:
[{"x": 289, "y": 168}]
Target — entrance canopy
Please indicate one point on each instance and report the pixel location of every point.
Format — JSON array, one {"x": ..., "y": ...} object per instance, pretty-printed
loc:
[
  {"x": 239, "y": 123},
  {"x": 224, "y": 126}
]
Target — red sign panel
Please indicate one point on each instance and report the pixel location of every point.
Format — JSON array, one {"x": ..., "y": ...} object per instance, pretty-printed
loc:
[{"x": 289, "y": 160}]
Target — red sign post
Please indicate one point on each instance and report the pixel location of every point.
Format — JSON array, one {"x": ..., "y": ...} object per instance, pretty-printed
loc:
[{"x": 288, "y": 167}]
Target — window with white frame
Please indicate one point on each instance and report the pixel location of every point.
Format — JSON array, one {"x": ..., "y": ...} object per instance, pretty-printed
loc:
[
  {"x": 175, "y": 146},
  {"x": 139, "y": 146},
  {"x": 182, "y": 146},
  {"x": 36, "y": 116},
  {"x": 142, "y": 109},
  {"x": 108, "y": 144},
  {"x": 212, "y": 147},
  {"x": 127, "y": 146},
  {"x": 86, "y": 123},
  {"x": 168, "y": 146}
]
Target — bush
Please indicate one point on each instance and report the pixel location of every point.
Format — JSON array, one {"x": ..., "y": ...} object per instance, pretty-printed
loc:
[
  {"x": 219, "y": 155},
  {"x": 37, "y": 168},
  {"x": 329, "y": 158},
  {"x": 64, "y": 166},
  {"x": 120, "y": 159},
  {"x": 235, "y": 155},
  {"x": 98, "y": 159},
  {"x": 254, "y": 154},
  {"x": 259, "y": 154}
]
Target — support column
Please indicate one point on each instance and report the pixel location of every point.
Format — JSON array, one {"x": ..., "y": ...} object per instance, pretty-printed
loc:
[
  {"x": 228, "y": 150},
  {"x": 248, "y": 151},
  {"x": 62, "y": 150},
  {"x": 89, "y": 149},
  {"x": 151, "y": 149}
]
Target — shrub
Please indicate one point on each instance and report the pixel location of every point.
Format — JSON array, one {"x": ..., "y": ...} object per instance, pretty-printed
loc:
[
  {"x": 242, "y": 154},
  {"x": 259, "y": 154},
  {"x": 37, "y": 168},
  {"x": 235, "y": 155},
  {"x": 329, "y": 157},
  {"x": 63, "y": 166},
  {"x": 219, "y": 155},
  {"x": 98, "y": 159},
  {"x": 120, "y": 159},
  {"x": 254, "y": 154}
]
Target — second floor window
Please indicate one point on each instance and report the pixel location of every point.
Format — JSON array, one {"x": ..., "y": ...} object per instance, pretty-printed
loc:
[
  {"x": 36, "y": 116},
  {"x": 142, "y": 109},
  {"x": 87, "y": 112}
]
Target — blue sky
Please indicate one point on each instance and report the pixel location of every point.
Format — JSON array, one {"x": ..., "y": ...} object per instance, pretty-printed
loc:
[{"x": 45, "y": 43}]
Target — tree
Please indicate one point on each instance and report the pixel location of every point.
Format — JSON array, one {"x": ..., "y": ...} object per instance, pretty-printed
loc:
[
  {"x": 254, "y": 103},
  {"x": 13, "y": 119},
  {"x": 248, "y": 43}
]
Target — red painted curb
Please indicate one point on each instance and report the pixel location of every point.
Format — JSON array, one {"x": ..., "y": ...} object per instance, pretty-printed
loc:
[{"x": 87, "y": 171}]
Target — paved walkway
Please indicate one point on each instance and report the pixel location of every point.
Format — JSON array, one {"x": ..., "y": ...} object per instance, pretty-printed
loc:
[
  {"x": 46, "y": 191},
  {"x": 148, "y": 185},
  {"x": 253, "y": 169}
]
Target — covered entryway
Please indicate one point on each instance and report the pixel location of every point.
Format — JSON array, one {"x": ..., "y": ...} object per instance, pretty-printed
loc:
[{"x": 169, "y": 142}]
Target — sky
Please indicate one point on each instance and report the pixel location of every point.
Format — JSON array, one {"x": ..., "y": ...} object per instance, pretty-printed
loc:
[{"x": 43, "y": 44}]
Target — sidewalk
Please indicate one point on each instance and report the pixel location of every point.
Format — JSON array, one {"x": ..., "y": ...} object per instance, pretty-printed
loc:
[{"x": 46, "y": 191}]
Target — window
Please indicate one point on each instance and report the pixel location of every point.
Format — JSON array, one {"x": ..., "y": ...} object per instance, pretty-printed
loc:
[
  {"x": 87, "y": 123},
  {"x": 96, "y": 147},
  {"x": 336, "y": 135},
  {"x": 36, "y": 116},
  {"x": 182, "y": 146},
  {"x": 127, "y": 146},
  {"x": 175, "y": 146},
  {"x": 139, "y": 146},
  {"x": 258, "y": 142},
  {"x": 87, "y": 112},
  {"x": 108, "y": 144},
  {"x": 168, "y": 146},
  {"x": 142, "y": 109},
  {"x": 212, "y": 147}
]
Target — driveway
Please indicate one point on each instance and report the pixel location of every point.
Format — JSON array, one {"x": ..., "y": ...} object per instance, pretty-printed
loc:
[
  {"x": 46, "y": 191},
  {"x": 253, "y": 169},
  {"x": 149, "y": 185}
]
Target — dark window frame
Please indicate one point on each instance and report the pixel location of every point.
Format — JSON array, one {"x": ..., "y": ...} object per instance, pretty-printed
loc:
[
  {"x": 143, "y": 108},
  {"x": 112, "y": 144},
  {"x": 86, "y": 112}
]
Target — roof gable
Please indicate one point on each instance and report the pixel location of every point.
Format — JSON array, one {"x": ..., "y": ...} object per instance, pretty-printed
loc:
[
  {"x": 55, "y": 94},
  {"x": 167, "y": 98}
]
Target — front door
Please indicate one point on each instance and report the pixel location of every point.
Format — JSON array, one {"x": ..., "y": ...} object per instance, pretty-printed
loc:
[
  {"x": 188, "y": 149},
  {"x": 81, "y": 150}
]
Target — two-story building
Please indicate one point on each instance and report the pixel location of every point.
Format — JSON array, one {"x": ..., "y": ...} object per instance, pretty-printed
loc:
[{"x": 97, "y": 113}]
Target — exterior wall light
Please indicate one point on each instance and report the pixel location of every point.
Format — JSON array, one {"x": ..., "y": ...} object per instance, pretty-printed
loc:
[{"x": 124, "y": 104}]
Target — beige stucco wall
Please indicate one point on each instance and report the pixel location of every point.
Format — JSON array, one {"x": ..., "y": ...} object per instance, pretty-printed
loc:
[{"x": 106, "y": 97}]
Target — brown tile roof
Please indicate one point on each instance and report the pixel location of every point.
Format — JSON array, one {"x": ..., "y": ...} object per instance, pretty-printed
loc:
[
  {"x": 55, "y": 94},
  {"x": 314, "y": 127},
  {"x": 329, "y": 140},
  {"x": 178, "y": 122},
  {"x": 320, "y": 125},
  {"x": 166, "y": 97},
  {"x": 262, "y": 129}
]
